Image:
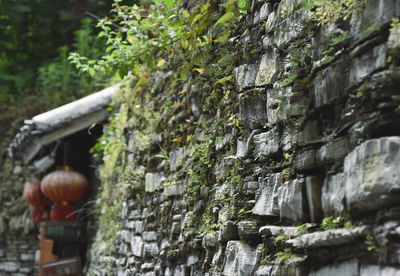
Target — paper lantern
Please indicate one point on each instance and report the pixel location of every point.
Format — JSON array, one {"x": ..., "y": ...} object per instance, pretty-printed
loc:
[
  {"x": 63, "y": 186},
  {"x": 34, "y": 196}
]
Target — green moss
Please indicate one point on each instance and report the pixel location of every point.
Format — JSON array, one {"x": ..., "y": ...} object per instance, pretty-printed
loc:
[{"x": 285, "y": 255}]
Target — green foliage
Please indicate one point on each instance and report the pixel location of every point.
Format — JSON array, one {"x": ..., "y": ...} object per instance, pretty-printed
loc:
[
  {"x": 301, "y": 229},
  {"x": 145, "y": 35},
  {"x": 328, "y": 11},
  {"x": 370, "y": 243},
  {"x": 142, "y": 44},
  {"x": 32, "y": 32},
  {"x": 330, "y": 223},
  {"x": 60, "y": 82},
  {"x": 285, "y": 255}
]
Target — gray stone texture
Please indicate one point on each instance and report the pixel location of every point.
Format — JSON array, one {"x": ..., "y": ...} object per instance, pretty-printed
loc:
[
  {"x": 292, "y": 201},
  {"x": 267, "y": 196},
  {"x": 365, "y": 65},
  {"x": 372, "y": 174},
  {"x": 333, "y": 195},
  {"x": 268, "y": 69},
  {"x": 333, "y": 151},
  {"x": 240, "y": 259},
  {"x": 375, "y": 14},
  {"x": 334, "y": 237},
  {"x": 248, "y": 230},
  {"x": 253, "y": 108},
  {"x": 330, "y": 83},
  {"x": 345, "y": 268},
  {"x": 266, "y": 144},
  {"x": 305, "y": 160},
  {"x": 274, "y": 231},
  {"x": 153, "y": 181},
  {"x": 313, "y": 189},
  {"x": 284, "y": 103},
  {"x": 305, "y": 151}
]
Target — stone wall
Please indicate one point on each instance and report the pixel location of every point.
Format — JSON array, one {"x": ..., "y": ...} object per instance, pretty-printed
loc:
[
  {"x": 313, "y": 178},
  {"x": 18, "y": 241},
  {"x": 17, "y": 256}
]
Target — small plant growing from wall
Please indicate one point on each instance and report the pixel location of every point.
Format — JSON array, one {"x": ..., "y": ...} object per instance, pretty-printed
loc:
[{"x": 328, "y": 11}]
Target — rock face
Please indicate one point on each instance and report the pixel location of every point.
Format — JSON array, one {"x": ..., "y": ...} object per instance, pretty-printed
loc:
[
  {"x": 267, "y": 143},
  {"x": 372, "y": 174},
  {"x": 240, "y": 259},
  {"x": 153, "y": 181},
  {"x": 346, "y": 268},
  {"x": 333, "y": 194},
  {"x": 289, "y": 167},
  {"x": 17, "y": 256},
  {"x": 267, "y": 196},
  {"x": 330, "y": 238},
  {"x": 292, "y": 201}
]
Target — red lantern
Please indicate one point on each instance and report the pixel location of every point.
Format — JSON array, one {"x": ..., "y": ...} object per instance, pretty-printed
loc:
[
  {"x": 63, "y": 186},
  {"x": 34, "y": 196}
]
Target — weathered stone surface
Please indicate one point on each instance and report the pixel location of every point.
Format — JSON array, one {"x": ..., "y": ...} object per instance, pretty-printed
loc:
[
  {"x": 137, "y": 246},
  {"x": 26, "y": 270},
  {"x": 310, "y": 132},
  {"x": 124, "y": 249},
  {"x": 137, "y": 226},
  {"x": 9, "y": 266},
  {"x": 150, "y": 250},
  {"x": 291, "y": 28},
  {"x": 245, "y": 75},
  {"x": 274, "y": 231},
  {"x": 192, "y": 259},
  {"x": 372, "y": 174},
  {"x": 334, "y": 237},
  {"x": 305, "y": 160},
  {"x": 292, "y": 201},
  {"x": 176, "y": 159},
  {"x": 289, "y": 136},
  {"x": 248, "y": 230},
  {"x": 367, "y": 64},
  {"x": 267, "y": 196},
  {"x": 269, "y": 27},
  {"x": 125, "y": 235},
  {"x": 149, "y": 236},
  {"x": 179, "y": 270},
  {"x": 393, "y": 42},
  {"x": 265, "y": 10},
  {"x": 210, "y": 240},
  {"x": 27, "y": 257},
  {"x": 268, "y": 70},
  {"x": 240, "y": 259},
  {"x": 333, "y": 194},
  {"x": 375, "y": 14},
  {"x": 228, "y": 232},
  {"x": 330, "y": 83},
  {"x": 253, "y": 108},
  {"x": 367, "y": 270},
  {"x": 283, "y": 103},
  {"x": 176, "y": 188},
  {"x": 154, "y": 181},
  {"x": 264, "y": 270},
  {"x": 345, "y": 268},
  {"x": 383, "y": 84},
  {"x": 251, "y": 187},
  {"x": 333, "y": 151},
  {"x": 289, "y": 267},
  {"x": 241, "y": 147},
  {"x": 266, "y": 144},
  {"x": 313, "y": 190}
]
